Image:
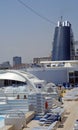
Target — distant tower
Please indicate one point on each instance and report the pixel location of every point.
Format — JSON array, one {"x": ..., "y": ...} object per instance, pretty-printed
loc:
[
  {"x": 63, "y": 42},
  {"x": 17, "y": 60}
]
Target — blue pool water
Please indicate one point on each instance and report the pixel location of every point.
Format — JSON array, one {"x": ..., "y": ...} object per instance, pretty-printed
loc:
[
  {"x": 1, "y": 118},
  {"x": 2, "y": 121}
]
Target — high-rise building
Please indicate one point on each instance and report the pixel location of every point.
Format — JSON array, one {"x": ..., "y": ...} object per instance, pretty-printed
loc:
[
  {"x": 17, "y": 60},
  {"x": 63, "y": 43}
]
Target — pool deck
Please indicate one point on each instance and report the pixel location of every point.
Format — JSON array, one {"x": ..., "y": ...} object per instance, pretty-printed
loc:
[
  {"x": 28, "y": 116},
  {"x": 67, "y": 123},
  {"x": 70, "y": 116}
]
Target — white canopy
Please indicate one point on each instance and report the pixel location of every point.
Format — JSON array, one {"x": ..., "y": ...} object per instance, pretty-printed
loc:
[
  {"x": 16, "y": 75},
  {"x": 22, "y": 76},
  {"x": 11, "y": 76}
]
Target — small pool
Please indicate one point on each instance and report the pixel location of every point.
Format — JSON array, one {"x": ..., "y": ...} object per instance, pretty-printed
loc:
[
  {"x": 2, "y": 121},
  {"x": 1, "y": 118}
]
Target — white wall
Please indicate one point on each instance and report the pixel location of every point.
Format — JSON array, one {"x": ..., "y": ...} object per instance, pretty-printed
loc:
[{"x": 56, "y": 75}]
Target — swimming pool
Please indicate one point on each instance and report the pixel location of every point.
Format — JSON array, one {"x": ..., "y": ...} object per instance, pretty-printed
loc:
[
  {"x": 2, "y": 121},
  {"x": 1, "y": 118}
]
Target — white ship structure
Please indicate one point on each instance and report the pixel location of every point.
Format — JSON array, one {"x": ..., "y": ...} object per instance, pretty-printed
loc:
[
  {"x": 63, "y": 67},
  {"x": 16, "y": 88},
  {"x": 58, "y": 72}
]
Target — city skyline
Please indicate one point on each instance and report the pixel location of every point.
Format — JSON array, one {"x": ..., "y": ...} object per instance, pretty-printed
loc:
[{"x": 23, "y": 33}]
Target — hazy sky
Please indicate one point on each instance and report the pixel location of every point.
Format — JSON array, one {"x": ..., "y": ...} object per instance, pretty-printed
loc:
[{"x": 23, "y": 33}]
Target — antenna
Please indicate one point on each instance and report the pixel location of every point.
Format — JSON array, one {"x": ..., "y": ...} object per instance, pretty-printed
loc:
[{"x": 61, "y": 19}]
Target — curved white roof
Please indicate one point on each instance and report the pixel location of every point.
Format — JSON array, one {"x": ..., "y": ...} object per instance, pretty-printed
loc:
[
  {"x": 22, "y": 76},
  {"x": 16, "y": 75},
  {"x": 11, "y": 75}
]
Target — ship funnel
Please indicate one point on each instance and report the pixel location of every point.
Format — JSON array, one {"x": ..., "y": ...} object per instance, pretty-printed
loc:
[{"x": 61, "y": 43}]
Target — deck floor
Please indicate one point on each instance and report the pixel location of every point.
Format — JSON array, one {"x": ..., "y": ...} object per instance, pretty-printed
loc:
[{"x": 67, "y": 123}]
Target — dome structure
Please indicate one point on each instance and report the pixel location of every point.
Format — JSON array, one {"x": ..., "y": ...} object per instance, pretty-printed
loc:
[{"x": 24, "y": 80}]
